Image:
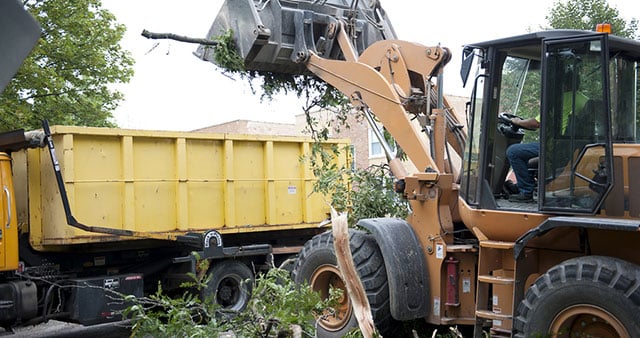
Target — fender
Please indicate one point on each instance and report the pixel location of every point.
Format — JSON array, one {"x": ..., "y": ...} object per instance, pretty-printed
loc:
[
  {"x": 550, "y": 223},
  {"x": 404, "y": 261}
]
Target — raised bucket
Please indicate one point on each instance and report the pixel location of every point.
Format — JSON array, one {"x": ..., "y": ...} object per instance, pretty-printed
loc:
[{"x": 277, "y": 35}]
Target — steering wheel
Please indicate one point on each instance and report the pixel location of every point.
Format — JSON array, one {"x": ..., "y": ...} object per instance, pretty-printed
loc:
[{"x": 505, "y": 118}]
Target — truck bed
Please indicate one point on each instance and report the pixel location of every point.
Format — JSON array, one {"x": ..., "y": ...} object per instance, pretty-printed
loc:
[{"x": 165, "y": 183}]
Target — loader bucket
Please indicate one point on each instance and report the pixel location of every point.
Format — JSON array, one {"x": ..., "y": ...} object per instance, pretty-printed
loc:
[{"x": 277, "y": 35}]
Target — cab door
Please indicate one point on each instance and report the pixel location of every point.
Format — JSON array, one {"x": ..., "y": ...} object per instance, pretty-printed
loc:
[
  {"x": 576, "y": 149},
  {"x": 9, "y": 224}
]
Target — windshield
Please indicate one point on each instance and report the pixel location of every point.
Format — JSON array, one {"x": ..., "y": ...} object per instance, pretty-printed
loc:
[
  {"x": 520, "y": 90},
  {"x": 577, "y": 138},
  {"x": 520, "y": 94}
]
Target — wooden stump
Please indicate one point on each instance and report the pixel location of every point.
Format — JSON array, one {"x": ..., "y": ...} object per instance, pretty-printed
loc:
[{"x": 355, "y": 289}]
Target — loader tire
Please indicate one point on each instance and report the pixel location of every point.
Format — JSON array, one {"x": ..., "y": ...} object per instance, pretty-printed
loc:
[
  {"x": 317, "y": 266},
  {"x": 591, "y": 296},
  {"x": 229, "y": 285}
]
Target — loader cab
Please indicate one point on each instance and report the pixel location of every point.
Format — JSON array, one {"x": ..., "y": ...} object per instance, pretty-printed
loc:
[{"x": 582, "y": 88}]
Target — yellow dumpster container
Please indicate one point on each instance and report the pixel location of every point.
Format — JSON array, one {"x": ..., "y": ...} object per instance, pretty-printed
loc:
[{"x": 166, "y": 183}]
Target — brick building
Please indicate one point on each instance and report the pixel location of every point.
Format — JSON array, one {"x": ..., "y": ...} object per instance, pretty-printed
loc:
[{"x": 367, "y": 150}]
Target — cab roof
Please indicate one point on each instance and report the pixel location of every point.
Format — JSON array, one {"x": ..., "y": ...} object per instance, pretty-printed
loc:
[{"x": 529, "y": 44}]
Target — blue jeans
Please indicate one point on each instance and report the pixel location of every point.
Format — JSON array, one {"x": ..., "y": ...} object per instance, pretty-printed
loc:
[{"x": 519, "y": 154}]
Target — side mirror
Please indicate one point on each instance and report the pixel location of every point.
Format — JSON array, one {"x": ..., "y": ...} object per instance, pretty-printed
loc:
[{"x": 467, "y": 62}]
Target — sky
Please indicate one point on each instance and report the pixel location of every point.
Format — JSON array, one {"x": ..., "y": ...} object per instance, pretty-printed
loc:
[{"x": 174, "y": 90}]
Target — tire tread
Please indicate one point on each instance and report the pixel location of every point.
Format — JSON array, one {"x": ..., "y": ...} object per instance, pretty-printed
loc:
[
  {"x": 371, "y": 269},
  {"x": 618, "y": 276}
]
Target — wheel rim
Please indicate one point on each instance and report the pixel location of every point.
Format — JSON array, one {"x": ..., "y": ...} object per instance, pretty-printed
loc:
[
  {"x": 230, "y": 294},
  {"x": 587, "y": 321},
  {"x": 323, "y": 279}
]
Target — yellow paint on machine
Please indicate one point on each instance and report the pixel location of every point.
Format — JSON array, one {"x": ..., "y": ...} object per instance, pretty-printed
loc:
[{"x": 166, "y": 183}]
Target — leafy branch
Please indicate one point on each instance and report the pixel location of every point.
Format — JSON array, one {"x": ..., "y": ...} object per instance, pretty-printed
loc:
[
  {"x": 277, "y": 308},
  {"x": 363, "y": 192}
]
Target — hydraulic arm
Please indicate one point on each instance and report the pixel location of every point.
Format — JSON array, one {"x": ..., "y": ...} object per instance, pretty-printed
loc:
[
  {"x": 392, "y": 79},
  {"x": 353, "y": 48}
]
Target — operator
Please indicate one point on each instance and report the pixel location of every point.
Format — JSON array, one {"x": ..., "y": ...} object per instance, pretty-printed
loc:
[{"x": 519, "y": 154}]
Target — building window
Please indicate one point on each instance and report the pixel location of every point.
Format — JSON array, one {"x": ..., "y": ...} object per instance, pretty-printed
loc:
[
  {"x": 352, "y": 156},
  {"x": 375, "y": 148}
]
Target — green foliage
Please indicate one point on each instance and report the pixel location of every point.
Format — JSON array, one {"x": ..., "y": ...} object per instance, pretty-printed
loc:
[
  {"x": 316, "y": 92},
  {"x": 375, "y": 195},
  {"x": 276, "y": 304},
  {"x": 67, "y": 76},
  {"x": 162, "y": 316},
  {"x": 364, "y": 193},
  {"x": 586, "y": 14},
  {"x": 333, "y": 180},
  {"x": 225, "y": 54}
]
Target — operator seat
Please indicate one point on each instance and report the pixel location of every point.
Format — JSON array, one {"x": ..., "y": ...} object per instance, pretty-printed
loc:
[{"x": 579, "y": 132}]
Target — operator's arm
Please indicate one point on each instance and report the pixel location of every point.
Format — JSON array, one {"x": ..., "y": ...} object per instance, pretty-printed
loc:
[{"x": 530, "y": 123}]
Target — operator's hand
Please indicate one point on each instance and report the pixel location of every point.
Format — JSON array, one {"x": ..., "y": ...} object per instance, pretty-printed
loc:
[
  {"x": 516, "y": 120},
  {"x": 530, "y": 124}
]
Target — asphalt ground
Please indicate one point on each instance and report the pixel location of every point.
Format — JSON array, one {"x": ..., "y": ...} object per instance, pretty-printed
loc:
[{"x": 56, "y": 329}]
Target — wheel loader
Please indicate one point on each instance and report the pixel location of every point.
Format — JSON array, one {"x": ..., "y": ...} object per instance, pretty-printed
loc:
[{"x": 561, "y": 265}]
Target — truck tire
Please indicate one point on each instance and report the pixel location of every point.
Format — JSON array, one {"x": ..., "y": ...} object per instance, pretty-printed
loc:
[
  {"x": 590, "y": 296},
  {"x": 230, "y": 284},
  {"x": 317, "y": 266}
]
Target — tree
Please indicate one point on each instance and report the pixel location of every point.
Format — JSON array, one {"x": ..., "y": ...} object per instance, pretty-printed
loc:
[
  {"x": 586, "y": 14},
  {"x": 66, "y": 78}
]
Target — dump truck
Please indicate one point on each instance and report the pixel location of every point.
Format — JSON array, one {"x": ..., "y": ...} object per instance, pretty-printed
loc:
[
  {"x": 563, "y": 265},
  {"x": 101, "y": 212},
  {"x": 92, "y": 214}
]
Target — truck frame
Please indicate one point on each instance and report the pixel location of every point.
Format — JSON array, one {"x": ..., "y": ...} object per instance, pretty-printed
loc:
[{"x": 563, "y": 266}]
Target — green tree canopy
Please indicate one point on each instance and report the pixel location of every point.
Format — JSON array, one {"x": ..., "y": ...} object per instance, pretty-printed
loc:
[
  {"x": 67, "y": 76},
  {"x": 586, "y": 14}
]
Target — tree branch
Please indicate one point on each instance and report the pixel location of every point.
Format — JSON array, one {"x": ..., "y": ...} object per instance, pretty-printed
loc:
[
  {"x": 37, "y": 96},
  {"x": 171, "y": 36}
]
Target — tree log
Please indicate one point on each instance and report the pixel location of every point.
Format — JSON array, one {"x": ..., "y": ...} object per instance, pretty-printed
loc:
[{"x": 355, "y": 289}]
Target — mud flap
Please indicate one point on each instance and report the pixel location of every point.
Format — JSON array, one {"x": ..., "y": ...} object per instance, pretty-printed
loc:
[{"x": 405, "y": 264}]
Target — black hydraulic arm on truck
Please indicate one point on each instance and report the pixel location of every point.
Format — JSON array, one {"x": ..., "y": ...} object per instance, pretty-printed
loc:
[
  {"x": 209, "y": 243},
  {"x": 65, "y": 199}
]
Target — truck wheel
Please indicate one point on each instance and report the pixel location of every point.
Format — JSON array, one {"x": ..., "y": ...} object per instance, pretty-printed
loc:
[
  {"x": 229, "y": 285},
  {"x": 317, "y": 266},
  {"x": 583, "y": 297}
]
